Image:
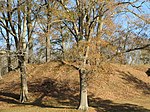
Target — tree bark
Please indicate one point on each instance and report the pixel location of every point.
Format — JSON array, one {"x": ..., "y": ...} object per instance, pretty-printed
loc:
[
  {"x": 83, "y": 82},
  {"x": 21, "y": 57},
  {"x": 23, "y": 78},
  {"x": 48, "y": 47},
  {"x": 8, "y": 46},
  {"x": 1, "y": 77},
  {"x": 83, "y": 91},
  {"x": 48, "y": 44},
  {"x": 29, "y": 32},
  {"x": 1, "y": 68},
  {"x": 7, "y": 39},
  {"x": 8, "y": 56}
]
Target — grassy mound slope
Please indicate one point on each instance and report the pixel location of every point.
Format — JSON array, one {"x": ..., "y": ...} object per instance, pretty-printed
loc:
[{"x": 55, "y": 87}]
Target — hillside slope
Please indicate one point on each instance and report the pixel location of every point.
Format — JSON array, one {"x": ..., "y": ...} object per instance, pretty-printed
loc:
[{"x": 56, "y": 85}]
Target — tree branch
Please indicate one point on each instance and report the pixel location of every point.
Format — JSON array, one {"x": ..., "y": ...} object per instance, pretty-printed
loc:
[
  {"x": 138, "y": 48},
  {"x": 147, "y": 21}
]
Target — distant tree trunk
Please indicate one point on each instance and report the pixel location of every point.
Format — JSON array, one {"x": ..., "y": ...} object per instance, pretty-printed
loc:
[
  {"x": 83, "y": 91},
  {"x": 63, "y": 43},
  {"x": 8, "y": 49},
  {"x": 48, "y": 44},
  {"x": 0, "y": 68},
  {"x": 63, "y": 48},
  {"x": 7, "y": 39},
  {"x": 8, "y": 56},
  {"x": 100, "y": 25},
  {"x": 48, "y": 48}
]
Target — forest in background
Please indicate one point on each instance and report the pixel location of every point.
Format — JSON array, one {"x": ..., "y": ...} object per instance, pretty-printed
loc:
[{"x": 80, "y": 33}]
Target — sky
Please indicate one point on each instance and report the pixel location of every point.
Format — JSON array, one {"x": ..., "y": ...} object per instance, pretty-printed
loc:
[
  {"x": 124, "y": 19},
  {"x": 145, "y": 9}
]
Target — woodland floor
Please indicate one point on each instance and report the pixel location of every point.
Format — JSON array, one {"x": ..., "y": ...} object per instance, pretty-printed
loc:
[{"x": 54, "y": 87}]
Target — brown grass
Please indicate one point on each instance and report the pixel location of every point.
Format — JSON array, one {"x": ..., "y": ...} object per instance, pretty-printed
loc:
[{"x": 115, "y": 88}]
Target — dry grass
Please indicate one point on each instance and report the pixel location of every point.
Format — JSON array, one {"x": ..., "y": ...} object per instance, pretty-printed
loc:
[{"x": 55, "y": 87}]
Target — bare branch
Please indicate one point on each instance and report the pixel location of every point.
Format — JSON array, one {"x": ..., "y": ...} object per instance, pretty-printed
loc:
[
  {"x": 138, "y": 48},
  {"x": 2, "y": 33},
  {"x": 4, "y": 26},
  {"x": 147, "y": 21}
]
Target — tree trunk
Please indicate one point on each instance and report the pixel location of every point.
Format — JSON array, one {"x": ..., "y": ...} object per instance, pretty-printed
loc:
[
  {"x": 30, "y": 52},
  {"x": 8, "y": 56},
  {"x": 48, "y": 44},
  {"x": 83, "y": 91},
  {"x": 7, "y": 40},
  {"x": 0, "y": 68},
  {"x": 48, "y": 48},
  {"x": 23, "y": 78},
  {"x": 29, "y": 32},
  {"x": 1, "y": 77},
  {"x": 83, "y": 82},
  {"x": 21, "y": 57},
  {"x": 63, "y": 43}
]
